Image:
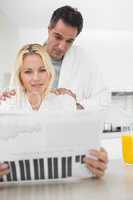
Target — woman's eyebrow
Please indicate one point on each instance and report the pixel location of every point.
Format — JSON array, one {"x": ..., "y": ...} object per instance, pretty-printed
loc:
[
  {"x": 42, "y": 66},
  {"x": 26, "y": 68}
]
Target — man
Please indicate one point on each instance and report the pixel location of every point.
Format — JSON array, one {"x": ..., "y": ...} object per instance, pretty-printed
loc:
[{"x": 75, "y": 74}]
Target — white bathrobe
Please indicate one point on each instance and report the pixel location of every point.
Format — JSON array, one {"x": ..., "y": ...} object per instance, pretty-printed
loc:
[
  {"x": 82, "y": 77},
  {"x": 52, "y": 103}
]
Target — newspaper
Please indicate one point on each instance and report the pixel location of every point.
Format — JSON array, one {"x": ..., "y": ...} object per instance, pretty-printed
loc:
[{"x": 43, "y": 147}]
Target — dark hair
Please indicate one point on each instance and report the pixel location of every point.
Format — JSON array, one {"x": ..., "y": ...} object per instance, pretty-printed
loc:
[{"x": 68, "y": 15}]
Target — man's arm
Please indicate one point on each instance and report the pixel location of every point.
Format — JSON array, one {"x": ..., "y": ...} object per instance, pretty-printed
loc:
[
  {"x": 6, "y": 94},
  {"x": 63, "y": 91}
]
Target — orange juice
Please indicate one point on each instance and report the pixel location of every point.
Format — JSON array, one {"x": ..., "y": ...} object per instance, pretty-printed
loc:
[{"x": 127, "y": 148}]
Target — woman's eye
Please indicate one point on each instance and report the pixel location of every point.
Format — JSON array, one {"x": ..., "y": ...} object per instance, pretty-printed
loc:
[
  {"x": 28, "y": 72},
  {"x": 43, "y": 70}
]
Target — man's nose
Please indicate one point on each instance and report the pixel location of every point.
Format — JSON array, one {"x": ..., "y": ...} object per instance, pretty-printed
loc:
[{"x": 62, "y": 45}]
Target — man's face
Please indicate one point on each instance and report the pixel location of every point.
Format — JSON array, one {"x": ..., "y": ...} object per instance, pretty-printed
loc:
[{"x": 60, "y": 39}]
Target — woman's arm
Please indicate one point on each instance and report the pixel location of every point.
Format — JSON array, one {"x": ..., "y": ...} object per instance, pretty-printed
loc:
[
  {"x": 4, "y": 169},
  {"x": 97, "y": 166}
]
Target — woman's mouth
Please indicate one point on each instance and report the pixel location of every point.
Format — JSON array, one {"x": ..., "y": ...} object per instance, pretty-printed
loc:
[{"x": 36, "y": 85}]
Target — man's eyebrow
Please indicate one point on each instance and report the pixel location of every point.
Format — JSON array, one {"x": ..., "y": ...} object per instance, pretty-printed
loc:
[
  {"x": 58, "y": 34},
  {"x": 69, "y": 39}
]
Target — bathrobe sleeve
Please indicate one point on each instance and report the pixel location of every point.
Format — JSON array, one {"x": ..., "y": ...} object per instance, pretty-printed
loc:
[{"x": 81, "y": 75}]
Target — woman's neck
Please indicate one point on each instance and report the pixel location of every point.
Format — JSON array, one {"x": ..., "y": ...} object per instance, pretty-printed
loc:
[{"x": 35, "y": 100}]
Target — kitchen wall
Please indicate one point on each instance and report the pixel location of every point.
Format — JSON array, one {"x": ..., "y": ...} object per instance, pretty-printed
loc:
[
  {"x": 8, "y": 47},
  {"x": 110, "y": 50},
  {"x": 107, "y": 34}
]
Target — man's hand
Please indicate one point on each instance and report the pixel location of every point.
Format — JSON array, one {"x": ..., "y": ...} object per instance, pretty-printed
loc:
[
  {"x": 62, "y": 91},
  {"x": 4, "y": 169},
  {"x": 7, "y": 94},
  {"x": 97, "y": 166}
]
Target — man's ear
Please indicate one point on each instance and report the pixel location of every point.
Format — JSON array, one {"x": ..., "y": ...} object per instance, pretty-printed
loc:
[{"x": 49, "y": 28}]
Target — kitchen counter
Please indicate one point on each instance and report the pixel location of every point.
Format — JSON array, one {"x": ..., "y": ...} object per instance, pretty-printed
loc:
[{"x": 116, "y": 184}]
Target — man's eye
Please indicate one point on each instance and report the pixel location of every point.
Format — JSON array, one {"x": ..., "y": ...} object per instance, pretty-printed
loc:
[
  {"x": 70, "y": 41},
  {"x": 58, "y": 37}
]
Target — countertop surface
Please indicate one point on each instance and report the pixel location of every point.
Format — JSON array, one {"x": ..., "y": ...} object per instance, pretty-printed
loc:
[{"x": 116, "y": 184}]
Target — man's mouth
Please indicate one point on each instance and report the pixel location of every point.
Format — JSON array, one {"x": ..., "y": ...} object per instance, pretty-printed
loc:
[{"x": 58, "y": 52}]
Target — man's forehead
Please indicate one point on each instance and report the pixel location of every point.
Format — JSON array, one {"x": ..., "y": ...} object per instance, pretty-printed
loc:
[{"x": 65, "y": 30}]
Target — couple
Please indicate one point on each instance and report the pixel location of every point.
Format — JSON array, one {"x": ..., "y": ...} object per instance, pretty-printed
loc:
[{"x": 34, "y": 76}]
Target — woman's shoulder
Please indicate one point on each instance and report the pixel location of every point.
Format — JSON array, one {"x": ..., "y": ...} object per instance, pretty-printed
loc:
[{"x": 61, "y": 101}]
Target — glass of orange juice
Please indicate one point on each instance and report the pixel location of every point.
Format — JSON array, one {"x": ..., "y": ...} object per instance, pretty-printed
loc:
[{"x": 127, "y": 144}]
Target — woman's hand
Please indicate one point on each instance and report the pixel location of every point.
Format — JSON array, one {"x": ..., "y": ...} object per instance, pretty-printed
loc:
[
  {"x": 97, "y": 166},
  {"x": 4, "y": 169}
]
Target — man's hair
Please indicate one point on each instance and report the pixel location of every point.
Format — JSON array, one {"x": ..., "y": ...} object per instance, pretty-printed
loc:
[{"x": 70, "y": 16}]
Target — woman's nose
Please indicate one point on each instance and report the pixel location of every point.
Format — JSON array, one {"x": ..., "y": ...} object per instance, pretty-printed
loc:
[{"x": 35, "y": 76}]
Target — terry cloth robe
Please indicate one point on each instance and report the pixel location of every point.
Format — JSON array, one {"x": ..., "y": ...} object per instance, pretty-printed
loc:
[{"x": 82, "y": 77}]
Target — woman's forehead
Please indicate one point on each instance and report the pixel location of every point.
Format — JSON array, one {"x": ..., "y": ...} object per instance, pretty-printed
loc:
[{"x": 32, "y": 59}]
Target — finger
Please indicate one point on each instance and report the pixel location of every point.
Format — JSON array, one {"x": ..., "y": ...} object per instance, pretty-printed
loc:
[
  {"x": 79, "y": 106},
  {"x": 12, "y": 92},
  {"x": 4, "y": 169},
  {"x": 2, "y": 98},
  {"x": 95, "y": 164},
  {"x": 69, "y": 92},
  {"x": 6, "y": 94},
  {"x": 96, "y": 167},
  {"x": 4, "y": 172},
  {"x": 55, "y": 91},
  {"x": 3, "y": 166},
  {"x": 62, "y": 91},
  {"x": 97, "y": 172},
  {"x": 99, "y": 154}
]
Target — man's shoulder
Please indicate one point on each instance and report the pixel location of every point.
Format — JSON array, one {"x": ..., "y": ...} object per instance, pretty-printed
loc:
[
  {"x": 83, "y": 56},
  {"x": 78, "y": 49}
]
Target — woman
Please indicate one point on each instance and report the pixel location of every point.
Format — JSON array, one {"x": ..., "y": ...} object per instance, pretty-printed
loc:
[{"x": 32, "y": 79}]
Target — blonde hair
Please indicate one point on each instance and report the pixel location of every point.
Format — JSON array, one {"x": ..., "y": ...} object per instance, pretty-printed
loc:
[{"x": 30, "y": 49}]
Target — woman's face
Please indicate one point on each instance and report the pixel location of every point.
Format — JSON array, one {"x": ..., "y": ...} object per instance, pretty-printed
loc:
[{"x": 33, "y": 74}]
